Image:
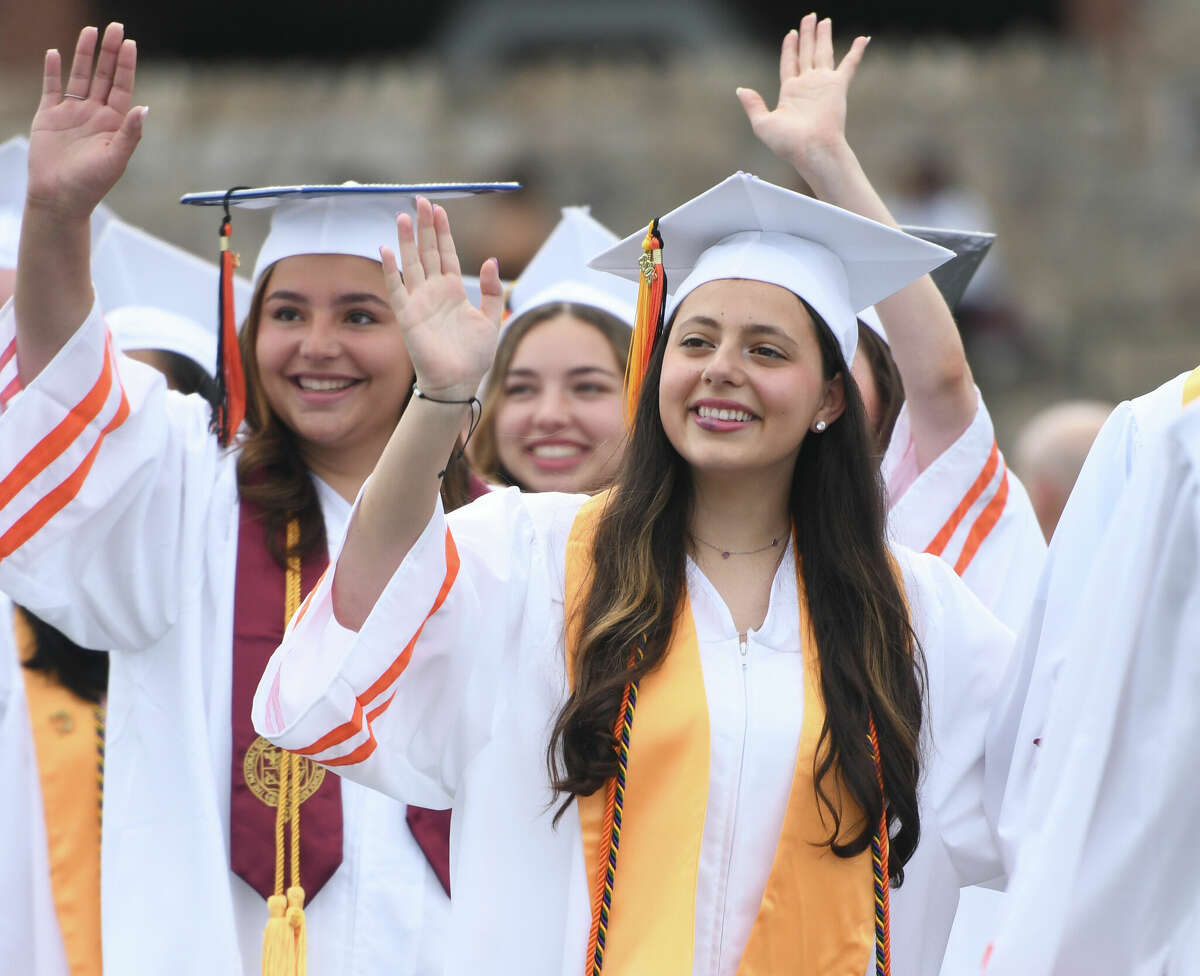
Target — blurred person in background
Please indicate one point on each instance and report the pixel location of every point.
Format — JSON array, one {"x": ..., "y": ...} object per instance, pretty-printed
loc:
[
  {"x": 1050, "y": 452},
  {"x": 129, "y": 526},
  {"x": 552, "y": 403}
]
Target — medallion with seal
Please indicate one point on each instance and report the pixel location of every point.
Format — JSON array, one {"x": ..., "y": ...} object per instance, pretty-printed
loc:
[{"x": 261, "y": 770}]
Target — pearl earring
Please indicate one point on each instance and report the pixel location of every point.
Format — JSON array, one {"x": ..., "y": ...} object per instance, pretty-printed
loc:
[{"x": 820, "y": 426}]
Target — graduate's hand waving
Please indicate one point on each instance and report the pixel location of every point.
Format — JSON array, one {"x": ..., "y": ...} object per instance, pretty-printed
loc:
[
  {"x": 83, "y": 134},
  {"x": 809, "y": 123},
  {"x": 450, "y": 341}
]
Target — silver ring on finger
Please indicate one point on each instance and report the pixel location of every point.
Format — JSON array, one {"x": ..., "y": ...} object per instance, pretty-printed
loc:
[{"x": 82, "y": 98}]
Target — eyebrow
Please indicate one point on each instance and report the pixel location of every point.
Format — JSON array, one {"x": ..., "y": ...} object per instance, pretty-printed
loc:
[
  {"x": 753, "y": 328},
  {"x": 350, "y": 298},
  {"x": 577, "y": 371}
]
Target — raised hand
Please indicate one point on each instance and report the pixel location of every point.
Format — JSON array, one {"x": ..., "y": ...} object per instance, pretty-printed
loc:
[
  {"x": 809, "y": 122},
  {"x": 83, "y": 135},
  {"x": 450, "y": 341}
]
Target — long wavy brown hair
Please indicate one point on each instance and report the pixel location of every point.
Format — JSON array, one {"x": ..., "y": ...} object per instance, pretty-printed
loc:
[
  {"x": 871, "y": 664},
  {"x": 889, "y": 386},
  {"x": 271, "y": 469}
]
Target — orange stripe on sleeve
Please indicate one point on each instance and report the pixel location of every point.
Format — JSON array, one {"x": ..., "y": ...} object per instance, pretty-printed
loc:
[
  {"x": 983, "y": 526},
  {"x": 52, "y": 446},
  {"x": 347, "y": 730},
  {"x": 29, "y": 524},
  {"x": 10, "y": 391},
  {"x": 10, "y": 351},
  {"x": 308, "y": 599},
  {"x": 942, "y": 539}
]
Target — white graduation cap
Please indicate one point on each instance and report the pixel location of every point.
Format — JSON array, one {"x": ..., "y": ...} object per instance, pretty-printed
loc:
[
  {"x": 970, "y": 247},
  {"x": 14, "y": 179},
  {"x": 155, "y": 295},
  {"x": 559, "y": 271},
  {"x": 346, "y": 218},
  {"x": 744, "y": 227}
]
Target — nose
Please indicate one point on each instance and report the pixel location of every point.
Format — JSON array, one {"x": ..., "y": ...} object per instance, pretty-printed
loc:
[
  {"x": 551, "y": 411},
  {"x": 320, "y": 339},
  {"x": 724, "y": 365}
]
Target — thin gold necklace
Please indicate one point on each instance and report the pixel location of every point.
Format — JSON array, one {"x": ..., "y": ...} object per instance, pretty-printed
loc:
[{"x": 726, "y": 553}]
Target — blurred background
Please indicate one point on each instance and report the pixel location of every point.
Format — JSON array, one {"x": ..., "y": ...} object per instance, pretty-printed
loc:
[{"x": 1071, "y": 128}]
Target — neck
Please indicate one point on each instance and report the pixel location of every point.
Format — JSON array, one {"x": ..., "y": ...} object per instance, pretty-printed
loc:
[
  {"x": 343, "y": 468},
  {"x": 742, "y": 511}
]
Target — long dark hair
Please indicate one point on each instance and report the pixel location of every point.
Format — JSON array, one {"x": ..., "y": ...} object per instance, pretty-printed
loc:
[
  {"x": 871, "y": 664},
  {"x": 80, "y": 671},
  {"x": 889, "y": 386},
  {"x": 271, "y": 469}
]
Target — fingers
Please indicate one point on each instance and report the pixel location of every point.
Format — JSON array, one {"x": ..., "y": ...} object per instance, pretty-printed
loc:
[
  {"x": 81, "y": 64},
  {"x": 447, "y": 253},
  {"x": 394, "y": 281},
  {"x": 51, "y": 80},
  {"x": 806, "y": 42},
  {"x": 106, "y": 63},
  {"x": 491, "y": 291},
  {"x": 410, "y": 261},
  {"x": 853, "y": 58},
  {"x": 788, "y": 56},
  {"x": 823, "y": 51},
  {"x": 130, "y": 133},
  {"x": 754, "y": 105},
  {"x": 427, "y": 239},
  {"x": 121, "y": 95}
]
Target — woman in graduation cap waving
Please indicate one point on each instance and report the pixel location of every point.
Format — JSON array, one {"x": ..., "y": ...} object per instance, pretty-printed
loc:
[
  {"x": 698, "y": 723},
  {"x": 129, "y": 526}
]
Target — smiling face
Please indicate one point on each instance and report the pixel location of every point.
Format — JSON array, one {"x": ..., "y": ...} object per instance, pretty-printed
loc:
[
  {"x": 559, "y": 425},
  {"x": 742, "y": 380},
  {"x": 330, "y": 354}
]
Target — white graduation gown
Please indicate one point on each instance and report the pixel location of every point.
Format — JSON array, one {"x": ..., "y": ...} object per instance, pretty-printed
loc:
[
  {"x": 469, "y": 719},
  {"x": 1106, "y": 873},
  {"x": 1058, "y": 609},
  {"x": 138, "y": 554},
  {"x": 980, "y": 516}
]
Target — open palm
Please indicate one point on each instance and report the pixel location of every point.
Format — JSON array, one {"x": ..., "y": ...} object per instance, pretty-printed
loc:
[
  {"x": 450, "y": 341},
  {"x": 811, "y": 112},
  {"x": 84, "y": 134}
]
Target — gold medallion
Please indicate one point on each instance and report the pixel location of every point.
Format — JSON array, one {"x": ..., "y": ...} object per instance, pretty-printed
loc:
[{"x": 261, "y": 770}]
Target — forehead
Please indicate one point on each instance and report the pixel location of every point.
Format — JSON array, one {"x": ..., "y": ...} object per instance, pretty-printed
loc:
[
  {"x": 321, "y": 273},
  {"x": 740, "y": 302},
  {"x": 561, "y": 344}
]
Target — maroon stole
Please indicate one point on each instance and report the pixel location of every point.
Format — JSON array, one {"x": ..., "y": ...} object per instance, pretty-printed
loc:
[{"x": 258, "y": 624}]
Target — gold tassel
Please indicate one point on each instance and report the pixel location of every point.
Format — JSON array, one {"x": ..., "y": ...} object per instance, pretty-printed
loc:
[
  {"x": 647, "y": 322},
  {"x": 295, "y": 918},
  {"x": 279, "y": 944}
]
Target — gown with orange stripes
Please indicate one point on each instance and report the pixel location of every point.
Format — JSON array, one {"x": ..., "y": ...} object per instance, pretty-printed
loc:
[
  {"x": 118, "y": 525},
  {"x": 448, "y": 694}
]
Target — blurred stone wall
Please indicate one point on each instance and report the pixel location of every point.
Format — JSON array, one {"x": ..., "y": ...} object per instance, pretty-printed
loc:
[{"x": 1087, "y": 157}]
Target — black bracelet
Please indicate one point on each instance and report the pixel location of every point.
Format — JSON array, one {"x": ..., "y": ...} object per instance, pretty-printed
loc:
[{"x": 476, "y": 415}]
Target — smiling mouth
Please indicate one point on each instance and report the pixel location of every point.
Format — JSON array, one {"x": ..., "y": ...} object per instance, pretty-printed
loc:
[
  {"x": 724, "y": 413},
  {"x": 555, "y": 452},
  {"x": 314, "y": 385}
]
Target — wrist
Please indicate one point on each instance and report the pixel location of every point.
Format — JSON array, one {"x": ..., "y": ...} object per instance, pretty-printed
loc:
[
  {"x": 824, "y": 164},
  {"x": 446, "y": 393}
]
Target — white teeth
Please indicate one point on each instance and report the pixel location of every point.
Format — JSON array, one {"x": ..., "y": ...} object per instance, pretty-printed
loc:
[
  {"x": 555, "y": 450},
  {"x": 316, "y": 385},
  {"x": 713, "y": 413}
]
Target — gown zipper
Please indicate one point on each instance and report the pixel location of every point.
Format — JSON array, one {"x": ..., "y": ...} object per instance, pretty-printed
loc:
[{"x": 743, "y": 653}]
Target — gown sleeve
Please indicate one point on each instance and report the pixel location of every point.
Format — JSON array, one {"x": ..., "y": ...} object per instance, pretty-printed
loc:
[
  {"x": 1106, "y": 872},
  {"x": 404, "y": 704},
  {"x": 966, "y": 650},
  {"x": 105, "y": 482}
]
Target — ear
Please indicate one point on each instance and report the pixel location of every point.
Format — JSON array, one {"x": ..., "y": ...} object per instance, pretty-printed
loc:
[{"x": 833, "y": 403}]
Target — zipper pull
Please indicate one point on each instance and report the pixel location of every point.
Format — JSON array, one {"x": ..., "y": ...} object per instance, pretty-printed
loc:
[{"x": 743, "y": 649}]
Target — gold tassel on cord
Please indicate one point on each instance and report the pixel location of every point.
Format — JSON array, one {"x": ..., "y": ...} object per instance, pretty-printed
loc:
[
  {"x": 648, "y": 323},
  {"x": 285, "y": 940}
]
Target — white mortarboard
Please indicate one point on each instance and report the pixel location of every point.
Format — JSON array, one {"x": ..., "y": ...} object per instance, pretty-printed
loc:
[
  {"x": 346, "y": 218},
  {"x": 14, "y": 178},
  {"x": 155, "y": 295},
  {"x": 970, "y": 247},
  {"x": 559, "y": 271},
  {"x": 744, "y": 227}
]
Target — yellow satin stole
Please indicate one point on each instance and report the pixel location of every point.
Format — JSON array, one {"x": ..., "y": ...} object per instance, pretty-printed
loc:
[
  {"x": 1191, "y": 387},
  {"x": 817, "y": 912},
  {"x": 65, "y": 742}
]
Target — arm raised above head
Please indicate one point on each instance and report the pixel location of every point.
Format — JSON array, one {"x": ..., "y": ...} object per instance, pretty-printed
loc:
[
  {"x": 807, "y": 129},
  {"x": 451, "y": 344},
  {"x": 80, "y": 143}
]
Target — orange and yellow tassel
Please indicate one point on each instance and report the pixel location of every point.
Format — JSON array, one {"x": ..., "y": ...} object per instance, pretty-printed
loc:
[{"x": 652, "y": 294}]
